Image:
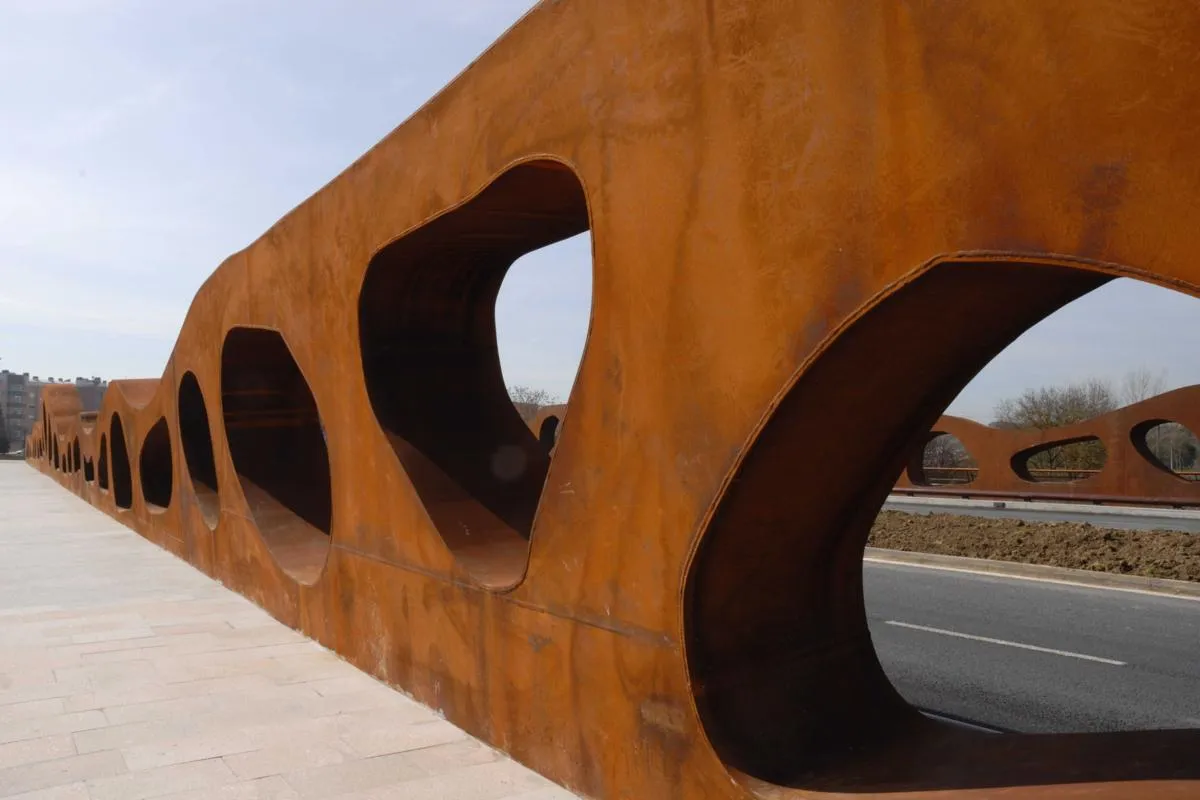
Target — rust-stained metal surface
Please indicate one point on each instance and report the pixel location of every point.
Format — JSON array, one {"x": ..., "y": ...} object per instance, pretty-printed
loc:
[
  {"x": 1130, "y": 473},
  {"x": 812, "y": 223}
]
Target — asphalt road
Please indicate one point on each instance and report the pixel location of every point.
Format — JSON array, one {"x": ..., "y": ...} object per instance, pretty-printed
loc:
[
  {"x": 1150, "y": 519},
  {"x": 1034, "y": 656}
]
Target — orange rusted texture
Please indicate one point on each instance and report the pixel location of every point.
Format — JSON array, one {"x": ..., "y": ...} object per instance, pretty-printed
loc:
[
  {"x": 1130, "y": 473},
  {"x": 812, "y": 223}
]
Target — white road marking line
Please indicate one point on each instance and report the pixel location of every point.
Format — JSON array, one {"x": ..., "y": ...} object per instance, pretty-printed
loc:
[
  {"x": 1004, "y": 642},
  {"x": 962, "y": 723},
  {"x": 887, "y": 562}
]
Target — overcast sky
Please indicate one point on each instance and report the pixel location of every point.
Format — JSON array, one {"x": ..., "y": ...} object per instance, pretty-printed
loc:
[{"x": 143, "y": 141}]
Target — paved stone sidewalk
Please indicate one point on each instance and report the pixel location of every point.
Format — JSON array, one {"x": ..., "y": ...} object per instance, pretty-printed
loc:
[{"x": 127, "y": 674}]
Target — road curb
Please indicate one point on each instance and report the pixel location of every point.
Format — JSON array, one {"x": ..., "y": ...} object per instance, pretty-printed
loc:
[
  {"x": 1041, "y": 506},
  {"x": 1013, "y": 569}
]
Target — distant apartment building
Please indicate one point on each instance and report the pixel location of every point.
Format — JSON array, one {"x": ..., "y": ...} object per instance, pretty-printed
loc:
[
  {"x": 18, "y": 406},
  {"x": 19, "y": 395}
]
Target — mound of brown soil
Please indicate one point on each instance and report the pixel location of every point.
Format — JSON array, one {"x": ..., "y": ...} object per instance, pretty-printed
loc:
[{"x": 1156, "y": 554}]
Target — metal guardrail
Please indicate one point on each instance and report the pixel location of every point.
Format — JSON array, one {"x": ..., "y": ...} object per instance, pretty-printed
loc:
[{"x": 964, "y": 475}]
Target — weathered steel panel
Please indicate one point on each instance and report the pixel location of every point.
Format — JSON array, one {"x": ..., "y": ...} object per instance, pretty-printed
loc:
[{"x": 812, "y": 223}]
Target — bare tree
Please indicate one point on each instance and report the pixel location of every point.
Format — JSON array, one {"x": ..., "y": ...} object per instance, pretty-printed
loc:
[
  {"x": 529, "y": 401},
  {"x": 1142, "y": 384},
  {"x": 526, "y": 394},
  {"x": 946, "y": 460},
  {"x": 1054, "y": 406},
  {"x": 1172, "y": 444},
  {"x": 946, "y": 450}
]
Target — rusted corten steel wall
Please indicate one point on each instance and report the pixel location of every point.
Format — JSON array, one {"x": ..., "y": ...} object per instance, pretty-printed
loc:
[
  {"x": 812, "y": 223},
  {"x": 1130, "y": 471}
]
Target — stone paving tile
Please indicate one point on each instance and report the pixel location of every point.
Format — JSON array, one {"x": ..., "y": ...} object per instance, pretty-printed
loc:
[
  {"x": 546, "y": 793},
  {"x": 272, "y": 788},
  {"x": 380, "y": 736},
  {"x": 491, "y": 781},
  {"x": 290, "y": 757},
  {"x": 31, "y": 680},
  {"x": 29, "y": 751},
  {"x": 47, "y": 726},
  {"x": 138, "y": 785},
  {"x": 31, "y": 709},
  {"x": 25, "y": 692},
  {"x": 135, "y": 734},
  {"x": 98, "y": 701},
  {"x": 69, "y": 791},
  {"x": 125, "y": 673},
  {"x": 447, "y": 757},
  {"x": 188, "y": 748},
  {"x": 48, "y": 774},
  {"x": 158, "y": 709},
  {"x": 335, "y": 780}
]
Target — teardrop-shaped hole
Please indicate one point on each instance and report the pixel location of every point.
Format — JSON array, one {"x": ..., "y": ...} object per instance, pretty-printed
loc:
[
  {"x": 1064, "y": 461},
  {"x": 1169, "y": 445},
  {"x": 944, "y": 461}
]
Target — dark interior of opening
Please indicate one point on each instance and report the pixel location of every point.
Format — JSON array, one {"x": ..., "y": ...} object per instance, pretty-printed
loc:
[
  {"x": 122, "y": 477},
  {"x": 75, "y": 460},
  {"x": 278, "y": 448},
  {"x": 1170, "y": 446},
  {"x": 785, "y": 675},
  {"x": 89, "y": 470},
  {"x": 432, "y": 369},
  {"x": 54, "y": 440},
  {"x": 196, "y": 438},
  {"x": 548, "y": 435},
  {"x": 1065, "y": 461},
  {"x": 102, "y": 464},
  {"x": 155, "y": 466}
]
